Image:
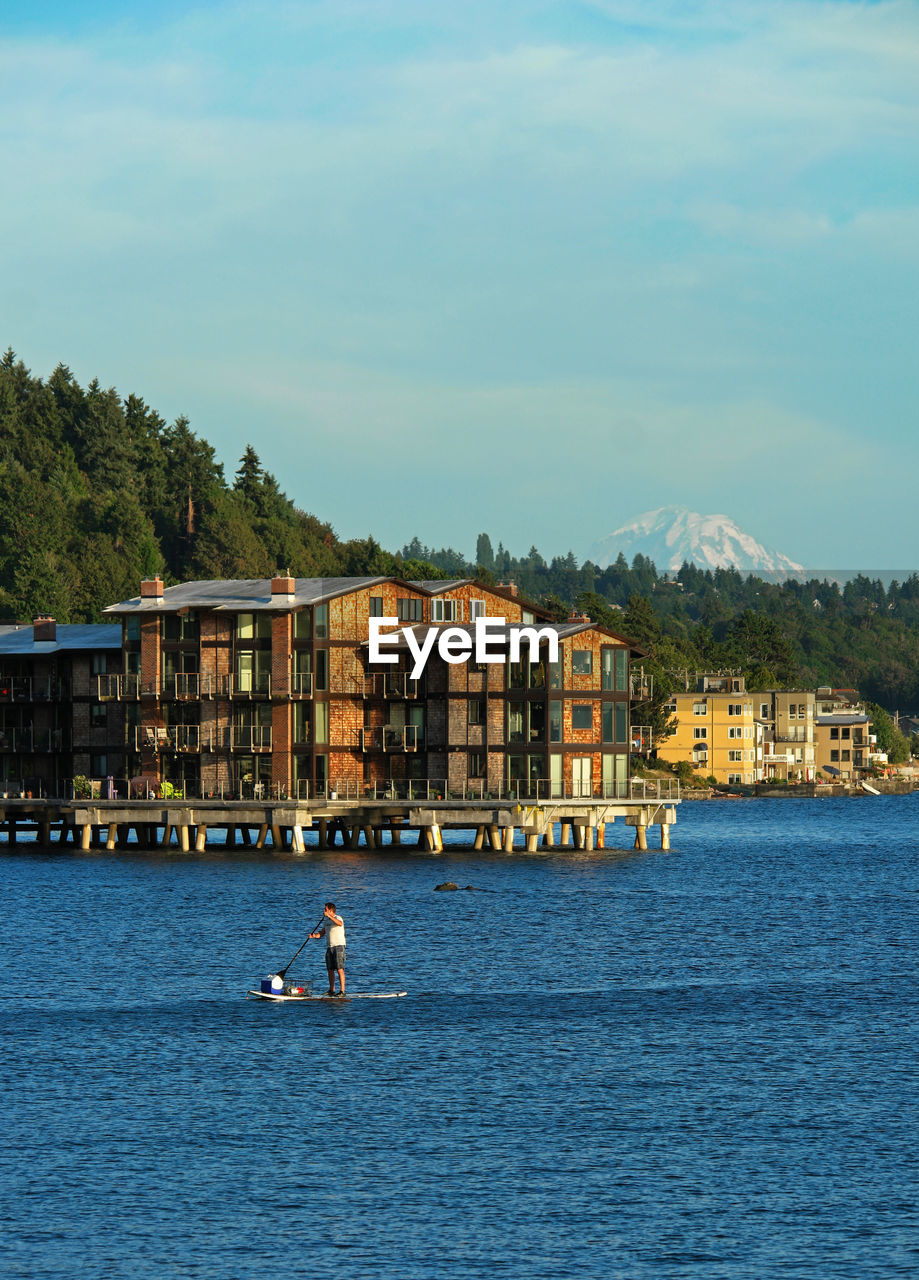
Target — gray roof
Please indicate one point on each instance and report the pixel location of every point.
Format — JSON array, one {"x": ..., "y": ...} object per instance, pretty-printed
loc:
[
  {"x": 434, "y": 586},
  {"x": 21, "y": 642},
  {"x": 247, "y": 595},
  {"x": 844, "y": 719}
]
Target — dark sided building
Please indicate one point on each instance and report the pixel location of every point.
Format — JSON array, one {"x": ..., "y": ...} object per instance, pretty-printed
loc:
[{"x": 53, "y": 724}]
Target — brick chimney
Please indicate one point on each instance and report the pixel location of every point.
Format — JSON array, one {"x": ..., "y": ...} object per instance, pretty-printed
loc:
[
  {"x": 152, "y": 588},
  {"x": 282, "y": 584},
  {"x": 508, "y": 586},
  {"x": 44, "y": 627}
]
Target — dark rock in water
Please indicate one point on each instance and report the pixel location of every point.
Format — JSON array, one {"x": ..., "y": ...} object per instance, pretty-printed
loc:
[{"x": 447, "y": 884}]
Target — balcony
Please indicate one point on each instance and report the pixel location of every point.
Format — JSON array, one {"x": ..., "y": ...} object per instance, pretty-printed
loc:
[
  {"x": 251, "y": 684},
  {"x": 641, "y": 685},
  {"x": 16, "y": 689},
  {"x": 301, "y": 684},
  {"x": 391, "y": 684},
  {"x": 400, "y": 737},
  {"x": 254, "y": 738}
]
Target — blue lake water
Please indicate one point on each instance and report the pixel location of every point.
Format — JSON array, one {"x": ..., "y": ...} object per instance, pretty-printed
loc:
[{"x": 699, "y": 1063}]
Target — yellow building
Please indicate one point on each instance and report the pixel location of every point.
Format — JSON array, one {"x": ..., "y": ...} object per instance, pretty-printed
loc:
[{"x": 715, "y": 729}]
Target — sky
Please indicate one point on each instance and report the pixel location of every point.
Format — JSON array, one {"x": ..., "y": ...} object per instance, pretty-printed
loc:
[{"x": 532, "y": 267}]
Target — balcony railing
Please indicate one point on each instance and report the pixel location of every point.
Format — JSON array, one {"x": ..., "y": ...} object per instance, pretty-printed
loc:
[
  {"x": 641, "y": 685},
  {"x": 301, "y": 684},
  {"x": 251, "y": 738},
  {"x": 400, "y": 737},
  {"x": 391, "y": 684},
  {"x": 16, "y": 689},
  {"x": 255, "y": 684}
]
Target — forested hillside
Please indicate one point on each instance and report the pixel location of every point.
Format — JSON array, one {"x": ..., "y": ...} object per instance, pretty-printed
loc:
[{"x": 98, "y": 491}]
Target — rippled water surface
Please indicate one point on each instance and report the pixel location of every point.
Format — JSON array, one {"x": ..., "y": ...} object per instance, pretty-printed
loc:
[{"x": 610, "y": 1064}]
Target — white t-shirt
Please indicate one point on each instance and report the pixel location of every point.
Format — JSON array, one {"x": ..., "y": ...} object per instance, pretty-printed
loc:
[{"x": 334, "y": 933}]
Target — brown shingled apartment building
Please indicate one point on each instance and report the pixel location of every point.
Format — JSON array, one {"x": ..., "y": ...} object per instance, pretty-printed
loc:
[{"x": 265, "y": 688}]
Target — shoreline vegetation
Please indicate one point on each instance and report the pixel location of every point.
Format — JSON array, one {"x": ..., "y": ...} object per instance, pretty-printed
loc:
[{"x": 100, "y": 492}]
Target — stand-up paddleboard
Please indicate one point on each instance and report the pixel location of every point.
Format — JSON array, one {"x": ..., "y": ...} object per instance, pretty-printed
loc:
[{"x": 279, "y": 997}]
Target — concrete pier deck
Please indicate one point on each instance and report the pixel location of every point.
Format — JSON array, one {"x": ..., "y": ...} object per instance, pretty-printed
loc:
[{"x": 350, "y": 823}]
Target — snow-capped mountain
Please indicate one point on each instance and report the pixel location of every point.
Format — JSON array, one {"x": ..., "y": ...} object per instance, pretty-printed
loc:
[{"x": 671, "y": 535}]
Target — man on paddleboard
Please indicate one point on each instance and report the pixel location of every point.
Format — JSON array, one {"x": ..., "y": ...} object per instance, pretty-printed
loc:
[{"x": 334, "y": 934}]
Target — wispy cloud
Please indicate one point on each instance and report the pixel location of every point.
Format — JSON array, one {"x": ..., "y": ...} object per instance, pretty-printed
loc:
[{"x": 537, "y": 228}]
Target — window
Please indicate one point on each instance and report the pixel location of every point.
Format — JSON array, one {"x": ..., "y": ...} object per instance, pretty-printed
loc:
[
  {"x": 582, "y": 662},
  {"x": 98, "y": 766},
  {"x": 615, "y": 722},
  {"x": 252, "y": 626},
  {"x": 555, "y": 675},
  {"x": 764, "y": 711},
  {"x": 376, "y": 606},
  {"x": 97, "y": 714},
  {"x": 735, "y": 756},
  {"x": 444, "y": 611},
  {"x": 700, "y": 732},
  {"x": 582, "y": 715},
  {"x": 555, "y": 721},
  {"x": 99, "y": 664},
  {"x": 735, "y": 731},
  {"x": 303, "y": 625},
  {"x": 846, "y": 733},
  {"x": 846, "y": 757},
  {"x": 700, "y": 708},
  {"x": 735, "y": 708},
  {"x": 322, "y": 669},
  {"x": 322, "y": 721},
  {"x": 834, "y": 757},
  {"x": 526, "y": 617},
  {"x": 321, "y": 621},
  {"x": 301, "y": 723},
  {"x": 132, "y": 629},
  {"x": 834, "y": 734},
  {"x": 476, "y": 609},
  {"x": 476, "y": 710},
  {"x": 734, "y": 779},
  {"x": 515, "y": 721},
  {"x": 477, "y": 764},
  {"x": 409, "y": 610}
]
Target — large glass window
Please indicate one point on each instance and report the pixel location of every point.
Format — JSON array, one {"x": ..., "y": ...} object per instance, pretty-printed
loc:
[
  {"x": 303, "y": 625},
  {"x": 622, "y": 670},
  {"x": 555, "y": 675},
  {"x": 322, "y": 722},
  {"x": 555, "y": 721},
  {"x": 582, "y": 662},
  {"x": 301, "y": 723},
  {"x": 253, "y": 626},
  {"x": 476, "y": 710},
  {"x": 322, "y": 669},
  {"x": 582, "y": 715},
  {"x": 516, "y": 720},
  {"x": 409, "y": 610},
  {"x": 321, "y": 622}
]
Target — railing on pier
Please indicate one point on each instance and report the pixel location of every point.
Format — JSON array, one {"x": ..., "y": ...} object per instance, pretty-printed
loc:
[{"x": 412, "y": 790}]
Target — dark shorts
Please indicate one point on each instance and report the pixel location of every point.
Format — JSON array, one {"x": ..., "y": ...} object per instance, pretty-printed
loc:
[{"x": 334, "y": 958}]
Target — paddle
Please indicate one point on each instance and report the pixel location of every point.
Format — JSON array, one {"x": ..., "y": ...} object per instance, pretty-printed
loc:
[{"x": 281, "y": 972}]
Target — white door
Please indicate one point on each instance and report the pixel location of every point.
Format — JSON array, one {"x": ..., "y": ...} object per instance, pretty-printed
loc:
[{"x": 581, "y": 777}]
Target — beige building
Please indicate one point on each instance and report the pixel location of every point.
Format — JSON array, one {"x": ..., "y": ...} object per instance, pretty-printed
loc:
[
  {"x": 715, "y": 729},
  {"x": 845, "y": 746},
  {"x": 788, "y": 719}
]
